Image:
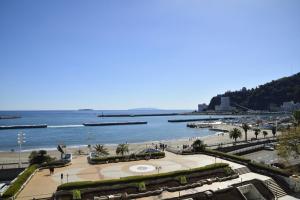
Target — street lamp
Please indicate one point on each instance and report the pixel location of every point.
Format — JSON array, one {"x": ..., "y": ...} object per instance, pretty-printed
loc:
[
  {"x": 158, "y": 168},
  {"x": 21, "y": 140}
]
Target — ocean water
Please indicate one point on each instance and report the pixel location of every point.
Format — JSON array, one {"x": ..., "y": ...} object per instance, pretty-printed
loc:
[{"x": 65, "y": 127}]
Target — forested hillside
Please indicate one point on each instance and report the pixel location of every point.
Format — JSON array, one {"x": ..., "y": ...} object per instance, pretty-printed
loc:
[{"x": 260, "y": 98}]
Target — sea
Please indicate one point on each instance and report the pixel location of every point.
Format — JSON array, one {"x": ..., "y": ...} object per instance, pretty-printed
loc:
[{"x": 65, "y": 127}]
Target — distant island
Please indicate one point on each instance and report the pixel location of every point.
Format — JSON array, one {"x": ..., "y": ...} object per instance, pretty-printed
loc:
[
  {"x": 263, "y": 97},
  {"x": 85, "y": 109}
]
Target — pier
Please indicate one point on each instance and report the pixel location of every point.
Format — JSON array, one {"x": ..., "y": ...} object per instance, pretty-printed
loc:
[
  {"x": 113, "y": 123},
  {"x": 203, "y": 119},
  {"x": 23, "y": 126}
]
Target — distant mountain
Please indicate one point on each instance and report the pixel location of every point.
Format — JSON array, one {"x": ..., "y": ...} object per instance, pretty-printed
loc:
[
  {"x": 85, "y": 109},
  {"x": 261, "y": 97}
]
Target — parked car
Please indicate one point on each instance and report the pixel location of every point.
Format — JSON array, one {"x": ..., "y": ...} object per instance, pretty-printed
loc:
[
  {"x": 149, "y": 150},
  {"x": 269, "y": 147},
  {"x": 3, "y": 187},
  {"x": 67, "y": 157}
]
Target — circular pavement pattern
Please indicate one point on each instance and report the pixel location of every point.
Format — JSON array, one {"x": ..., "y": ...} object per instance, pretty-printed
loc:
[{"x": 142, "y": 168}]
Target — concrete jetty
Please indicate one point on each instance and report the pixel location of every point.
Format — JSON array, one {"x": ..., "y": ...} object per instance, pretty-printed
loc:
[
  {"x": 24, "y": 126},
  {"x": 113, "y": 123}
]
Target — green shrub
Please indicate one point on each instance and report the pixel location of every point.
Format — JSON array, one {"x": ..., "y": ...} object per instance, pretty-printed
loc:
[
  {"x": 182, "y": 180},
  {"x": 125, "y": 158},
  {"x": 198, "y": 146},
  {"x": 142, "y": 186},
  {"x": 17, "y": 184},
  {"x": 55, "y": 163},
  {"x": 228, "y": 171},
  {"x": 76, "y": 194},
  {"x": 39, "y": 157},
  {"x": 136, "y": 179}
]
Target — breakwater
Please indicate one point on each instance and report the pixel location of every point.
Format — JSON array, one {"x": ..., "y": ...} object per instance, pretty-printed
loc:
[
  {"x": 219, "y": 130},
  {"x": 202, "y": 119},
  {"x": 24, "y": 126},
  {"x": 9, "y": 117},
  {"x": 140, "y": 115},
  {"x": 113, "y": 123}
]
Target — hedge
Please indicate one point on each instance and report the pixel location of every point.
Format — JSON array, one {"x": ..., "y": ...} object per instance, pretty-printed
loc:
[
  {"x": 55, "y": 163},
  {"x": 17, "y": 184},
  {"x": 110, "y": 159},
  {"x": 269, "y": 168},
  {"x": 131, "y": 179},
  {"x": 227, "y": 155}
]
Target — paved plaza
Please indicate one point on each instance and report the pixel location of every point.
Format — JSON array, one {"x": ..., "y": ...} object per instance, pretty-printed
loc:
[{"x": 43, "y": 185}]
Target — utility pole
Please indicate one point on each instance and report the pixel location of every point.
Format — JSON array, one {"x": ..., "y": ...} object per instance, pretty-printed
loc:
[{"x": 21, "y": 140}]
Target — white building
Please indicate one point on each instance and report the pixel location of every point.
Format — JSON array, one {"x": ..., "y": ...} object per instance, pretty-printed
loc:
[
  {"x": 290, "y": 106},
  {"x": 225, "y": 105},
  {"x": 201, "y": 107}
]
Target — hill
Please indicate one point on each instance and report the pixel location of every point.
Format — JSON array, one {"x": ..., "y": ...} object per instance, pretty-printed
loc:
[{"x": 260, "y": 98}]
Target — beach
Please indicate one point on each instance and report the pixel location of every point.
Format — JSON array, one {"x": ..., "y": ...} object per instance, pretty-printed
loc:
[{"x": 13, "y": 157}]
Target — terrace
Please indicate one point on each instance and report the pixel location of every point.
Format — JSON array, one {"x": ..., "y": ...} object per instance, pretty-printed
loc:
[{"x": 81, "y": 170}]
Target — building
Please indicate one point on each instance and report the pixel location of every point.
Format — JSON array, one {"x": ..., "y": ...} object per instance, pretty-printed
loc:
[
  {"x": 225, "y": 105},
  {"x": 290, "y": 106},
  {"x": 202, "y": 107}
]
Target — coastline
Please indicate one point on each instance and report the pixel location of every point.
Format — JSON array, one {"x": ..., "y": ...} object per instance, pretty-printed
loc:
[{"x": 12, "y": 157}]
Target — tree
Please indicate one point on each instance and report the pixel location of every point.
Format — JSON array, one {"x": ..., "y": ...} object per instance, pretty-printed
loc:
[
  {"x": 260, "y": 98},
  {"x": 235, "y": 134},
  {"x": 39, "y": 157},
  {"x": 274, "y": 130},
  {"x": 297, "y": 116},
  {"x": 198, "y": 145},
  {"x": 289, "y": 143},
  {"x": 256, "y": 132},
  {"x": 265, "y": 133},
  {"x": 122, "y": 149},
  {"x": 246, "y": 127},
  {"x": 101, "y": 150}
]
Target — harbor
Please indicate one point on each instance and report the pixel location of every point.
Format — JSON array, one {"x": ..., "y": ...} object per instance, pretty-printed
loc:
[{"x": 201, "y": 119}]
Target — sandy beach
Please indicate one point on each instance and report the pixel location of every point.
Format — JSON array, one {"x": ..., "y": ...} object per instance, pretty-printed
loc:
[{"x": 13, "y": 157}]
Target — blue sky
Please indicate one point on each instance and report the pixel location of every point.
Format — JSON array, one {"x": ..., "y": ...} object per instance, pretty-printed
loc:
[{"x": 127, "y": 54}]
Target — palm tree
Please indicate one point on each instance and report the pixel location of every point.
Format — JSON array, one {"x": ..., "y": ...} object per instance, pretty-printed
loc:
[
  {"x": 256, "y": 132},
  {"x": 246, "y": 127},
  {"x": 198, "y": 145},
  {"x": 101, "y": 150},
  {"x": 265, "y": 133},
  {"x": 296, "y": 115},
  {"x": 122, "y": 149},
  {"x": 274, "y": 130},
  {"x": 235, "y": 134}
]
